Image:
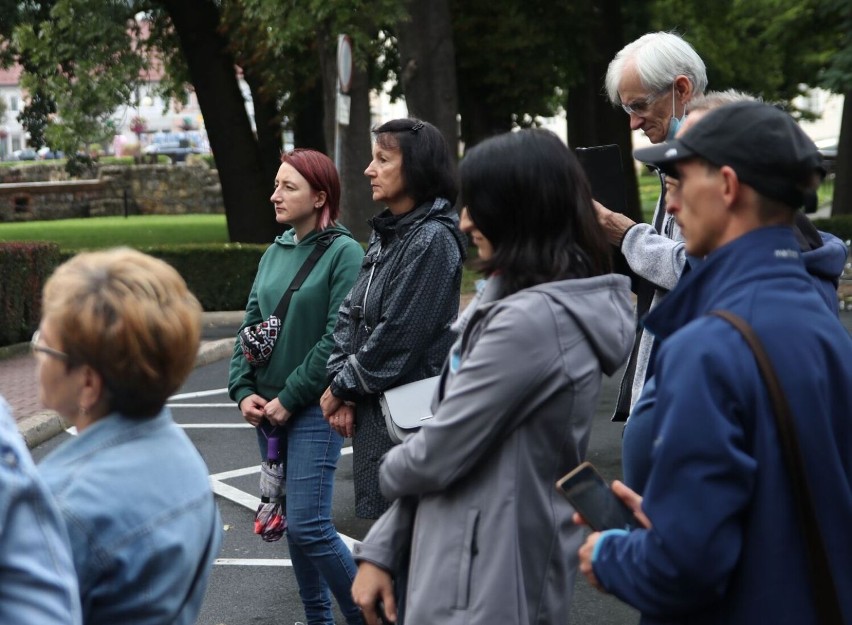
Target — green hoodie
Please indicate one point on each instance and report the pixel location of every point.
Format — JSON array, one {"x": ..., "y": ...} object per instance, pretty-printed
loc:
[{"x": 296, "y": 373}]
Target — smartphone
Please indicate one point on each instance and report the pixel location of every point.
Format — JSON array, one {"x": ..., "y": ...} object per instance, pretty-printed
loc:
[{"x": 592, "y": 497}]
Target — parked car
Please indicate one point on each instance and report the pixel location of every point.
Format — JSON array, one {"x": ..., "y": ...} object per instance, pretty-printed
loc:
[
  {"x": 25, "y": 154},
  {"x": 176, "y": 151},
  {"x": 47, "y": 153},
  {"x": 828, "y": 149}
]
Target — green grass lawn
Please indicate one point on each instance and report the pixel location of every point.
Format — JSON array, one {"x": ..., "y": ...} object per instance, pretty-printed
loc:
[
  {"x": 141, "y": 231},
  {"x": 134, "y": 231},
  {"x": 649, "y": 192}
]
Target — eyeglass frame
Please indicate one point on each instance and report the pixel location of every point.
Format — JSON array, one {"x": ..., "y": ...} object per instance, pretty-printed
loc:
[
  {"x": 644, "y": 103},
  {"x": 37, "y": 347}
]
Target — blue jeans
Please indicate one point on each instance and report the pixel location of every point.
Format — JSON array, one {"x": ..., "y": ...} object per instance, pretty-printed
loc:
[{"x": 321, "y": 561}]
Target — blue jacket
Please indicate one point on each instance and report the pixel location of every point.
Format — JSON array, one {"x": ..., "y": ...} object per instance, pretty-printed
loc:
[
  {"x": 37, "y": 580},
  {"x": 726, "y": 546},
  {"x": 142, "y": 520},
  {"x": 825, "y": 264}
]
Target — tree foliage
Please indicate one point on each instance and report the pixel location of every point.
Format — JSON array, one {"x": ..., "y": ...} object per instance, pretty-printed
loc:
[
  {"x": 86, "y": 88},
  {"x": 770, "y": 48},
  {"x": 513, "y": 60},
  {"x": 837, "y": 76}
]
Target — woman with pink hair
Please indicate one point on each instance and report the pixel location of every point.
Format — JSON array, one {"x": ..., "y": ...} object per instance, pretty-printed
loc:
[{"x": 281, "y": 396}]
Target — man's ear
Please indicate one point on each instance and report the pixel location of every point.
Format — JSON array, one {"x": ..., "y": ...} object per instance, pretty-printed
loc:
[
  {"x": 683, "y": 88},
  {"x": 731, "y": 188}
]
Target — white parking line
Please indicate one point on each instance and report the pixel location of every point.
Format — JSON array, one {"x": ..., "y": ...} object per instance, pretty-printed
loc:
[
  {"x": 236, "y": 495},
  {"x": 227, "y": 491},
  {"x": 223, "y": 426},
  {"x": 215, "y": 391},
  {"x": 251, "y": 502},
  {"x": 229, "y": 475},
  {"x": 258, "y": 562},
  {"x": 223, "y": 405}
]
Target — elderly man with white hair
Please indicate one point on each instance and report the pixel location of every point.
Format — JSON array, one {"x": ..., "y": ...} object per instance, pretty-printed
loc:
[{"x": 653, "y": 79}]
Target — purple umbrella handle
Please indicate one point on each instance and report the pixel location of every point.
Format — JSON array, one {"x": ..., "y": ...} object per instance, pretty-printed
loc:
[{"x": 272, "y": 452}]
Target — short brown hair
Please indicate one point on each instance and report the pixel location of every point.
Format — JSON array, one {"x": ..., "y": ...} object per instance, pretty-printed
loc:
[{"x": 132, "y": 319}]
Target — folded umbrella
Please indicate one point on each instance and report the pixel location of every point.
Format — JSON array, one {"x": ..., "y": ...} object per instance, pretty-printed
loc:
[{"x": 270, "y": 521}]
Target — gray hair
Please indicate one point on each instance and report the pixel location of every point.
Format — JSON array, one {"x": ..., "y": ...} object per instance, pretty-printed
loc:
[
  {"x": 714, "y": 99},
  {"x": 658, "y": 58}
]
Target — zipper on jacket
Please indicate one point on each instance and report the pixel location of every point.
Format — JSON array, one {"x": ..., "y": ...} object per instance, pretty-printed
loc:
[
  {"x": 468, "y": 553},
  {"x": 360, "y": 312}
]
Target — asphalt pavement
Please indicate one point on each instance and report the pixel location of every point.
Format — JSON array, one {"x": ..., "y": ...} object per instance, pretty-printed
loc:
[{"x": 252, "y": 582}]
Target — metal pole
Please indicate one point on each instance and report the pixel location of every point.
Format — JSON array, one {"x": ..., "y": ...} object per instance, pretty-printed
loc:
[{"x": 337, "y": 141}]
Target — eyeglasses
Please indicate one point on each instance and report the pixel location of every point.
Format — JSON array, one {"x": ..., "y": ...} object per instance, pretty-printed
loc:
[
  {"x": 640, "y": 106},
  {"x": 36, "y": 347}
]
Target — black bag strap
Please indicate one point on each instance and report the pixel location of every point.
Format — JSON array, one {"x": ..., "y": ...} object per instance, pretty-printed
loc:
[
  {"x": 822, "y": 583},
  {"x": 322, "y": 244}
]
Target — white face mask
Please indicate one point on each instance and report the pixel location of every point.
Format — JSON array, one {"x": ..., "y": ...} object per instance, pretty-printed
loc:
[{"x": 674, "y": 122}]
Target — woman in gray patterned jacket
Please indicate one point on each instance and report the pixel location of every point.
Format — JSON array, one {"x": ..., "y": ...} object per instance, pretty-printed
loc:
[{"x": 394, "y": 327}]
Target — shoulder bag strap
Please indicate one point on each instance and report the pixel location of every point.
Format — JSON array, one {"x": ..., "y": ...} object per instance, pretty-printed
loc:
[
  {"x": 825, "y": 593},
  {"x": 322, "y": 244}
]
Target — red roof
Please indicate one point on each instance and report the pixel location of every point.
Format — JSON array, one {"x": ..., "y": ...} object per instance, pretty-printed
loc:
[{"x": 10, "y": 76}]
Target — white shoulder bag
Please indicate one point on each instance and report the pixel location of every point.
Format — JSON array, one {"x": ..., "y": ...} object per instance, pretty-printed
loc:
[{"x": 406, "y": 407}]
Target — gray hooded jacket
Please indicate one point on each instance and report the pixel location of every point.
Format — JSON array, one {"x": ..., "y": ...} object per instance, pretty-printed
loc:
[{"x": 491, "y": 540}]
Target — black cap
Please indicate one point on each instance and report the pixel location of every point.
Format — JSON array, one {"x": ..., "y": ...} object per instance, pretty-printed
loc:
[{"x": 763, "y": 144}]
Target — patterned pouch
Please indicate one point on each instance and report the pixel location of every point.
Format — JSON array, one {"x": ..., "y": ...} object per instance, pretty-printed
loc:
[{"x": 258, "y": 341}]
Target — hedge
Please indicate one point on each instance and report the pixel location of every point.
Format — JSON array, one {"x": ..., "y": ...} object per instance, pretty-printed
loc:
[
  {"x": 24, "y": 268},
  {"x": 220, "y": 276}
]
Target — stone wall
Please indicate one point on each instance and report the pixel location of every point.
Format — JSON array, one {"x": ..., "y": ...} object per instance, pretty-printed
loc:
[{"x": 45, "y": 192}]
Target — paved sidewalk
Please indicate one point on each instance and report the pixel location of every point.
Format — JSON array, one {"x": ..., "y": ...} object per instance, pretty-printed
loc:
[{"x": 19, "y": 386}]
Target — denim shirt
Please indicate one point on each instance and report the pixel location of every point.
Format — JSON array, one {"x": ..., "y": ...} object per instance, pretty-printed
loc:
[
  {"x": 37, "y": 581},
  {"x": 143, "y": 524}
]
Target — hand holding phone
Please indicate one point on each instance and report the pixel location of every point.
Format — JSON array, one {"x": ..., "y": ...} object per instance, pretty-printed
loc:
[{"x": 594, "y": 500}]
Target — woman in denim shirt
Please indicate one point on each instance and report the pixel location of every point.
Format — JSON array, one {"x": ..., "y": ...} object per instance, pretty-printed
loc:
[
  {"x": 118, "y": 336},
  {"x": 37, "y": 580}
]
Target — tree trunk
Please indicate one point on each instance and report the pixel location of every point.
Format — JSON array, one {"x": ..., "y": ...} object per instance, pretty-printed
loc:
[
  {"x": 427, "y": 67},
  {"x": 358, "y": 205},
  {"x": 308, "y": 118},
  {"x": 267, "y": 121},
  {"x": 592, "y": 120},
  {"x": 244, "y": 179},
  {"x": 841, "y": 204},
  {"x": 478, "y": 120}
]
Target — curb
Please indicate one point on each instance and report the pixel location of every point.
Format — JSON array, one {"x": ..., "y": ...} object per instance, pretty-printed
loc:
[
  {"x": 212, "y": 351},
  {"x": 43, "y": 426}
]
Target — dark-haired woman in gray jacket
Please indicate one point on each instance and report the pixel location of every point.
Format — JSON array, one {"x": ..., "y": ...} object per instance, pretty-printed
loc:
[{"x": 476, "y": 524}]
